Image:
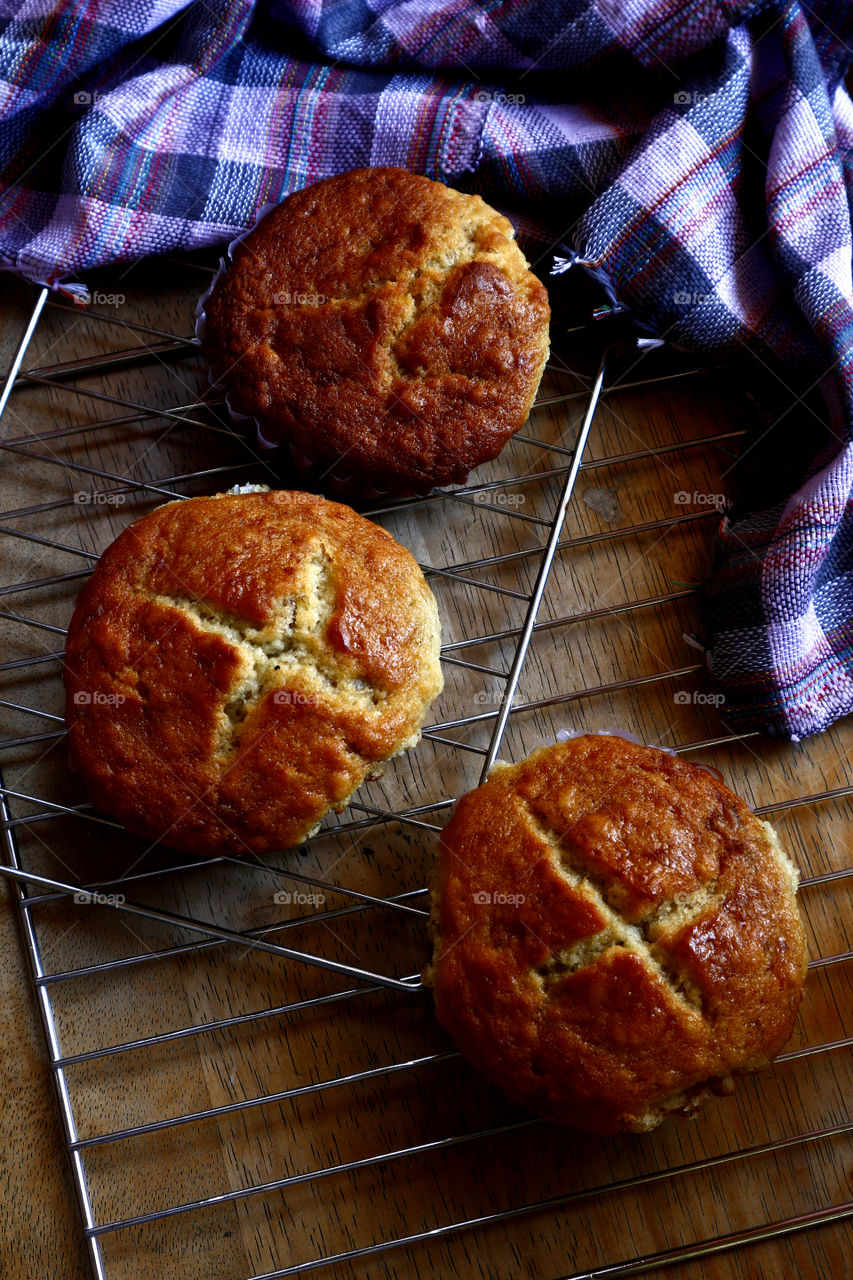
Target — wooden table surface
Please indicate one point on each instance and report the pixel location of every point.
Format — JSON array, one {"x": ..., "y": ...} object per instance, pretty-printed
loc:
[{"x": 605, "y": 660}]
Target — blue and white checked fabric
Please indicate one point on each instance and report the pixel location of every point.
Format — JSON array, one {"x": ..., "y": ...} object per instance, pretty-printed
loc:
[{"x": 698, "y": 153}]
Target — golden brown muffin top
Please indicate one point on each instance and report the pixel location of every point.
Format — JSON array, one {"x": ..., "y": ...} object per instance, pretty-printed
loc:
[
  {"x": 616, "y": 933},
  {"x": 383, "y": 325},
  {"x": 237, "y": 665}
]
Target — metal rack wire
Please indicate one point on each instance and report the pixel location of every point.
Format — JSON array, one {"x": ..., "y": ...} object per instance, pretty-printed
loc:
[{"x": 406, "y": 806}]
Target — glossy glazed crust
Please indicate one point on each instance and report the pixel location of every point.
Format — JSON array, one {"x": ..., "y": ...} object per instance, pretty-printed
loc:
[
  {"x": 656, "y": 950},
  {"x": 237, "y": 665},
  {"x": 384, "y": 326}
]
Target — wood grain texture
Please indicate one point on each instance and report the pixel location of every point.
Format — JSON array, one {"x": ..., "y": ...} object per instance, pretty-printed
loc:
[{"x": 171, "y": 980}]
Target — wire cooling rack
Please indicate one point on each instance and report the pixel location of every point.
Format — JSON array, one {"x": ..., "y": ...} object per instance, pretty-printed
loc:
[{"x": 249, "y": 1078}]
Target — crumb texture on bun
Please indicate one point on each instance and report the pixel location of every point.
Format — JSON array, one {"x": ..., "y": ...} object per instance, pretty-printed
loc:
[
  {"x": 239, "y": 664},
  {"x": 385, "y": 327},
  {"x": 616, "y": 934}
]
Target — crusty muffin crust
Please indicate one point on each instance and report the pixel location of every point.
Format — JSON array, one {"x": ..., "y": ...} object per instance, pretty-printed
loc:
[
  {"x": 616, "y": 934},
  {"x": 237, "y": 665},
  {"x": 384, "y": 326}
]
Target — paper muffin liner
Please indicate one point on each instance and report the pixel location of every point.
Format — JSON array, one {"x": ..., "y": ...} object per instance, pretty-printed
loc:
[
  {"x": 310, "y": 472},
  {"x": 216, "y": 373}
]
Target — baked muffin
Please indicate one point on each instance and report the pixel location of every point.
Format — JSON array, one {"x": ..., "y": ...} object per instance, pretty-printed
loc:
[
  {"x": 616, "y": 934},
  {"x": 238, "y": 665},
  {"x": 385, "y": 327}
]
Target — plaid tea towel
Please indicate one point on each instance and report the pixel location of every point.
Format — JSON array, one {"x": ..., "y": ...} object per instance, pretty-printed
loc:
[{"x": 698, "y": 154}]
